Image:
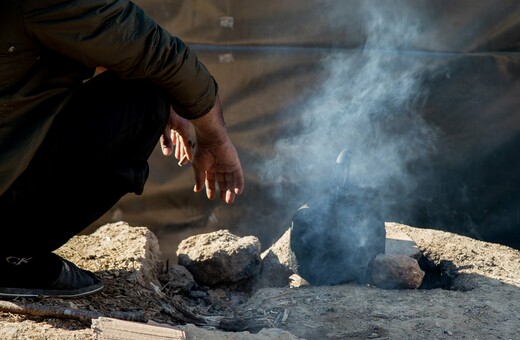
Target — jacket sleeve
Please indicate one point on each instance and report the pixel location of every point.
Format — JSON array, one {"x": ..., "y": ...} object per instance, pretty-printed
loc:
[{"x": 118, "y": 35}]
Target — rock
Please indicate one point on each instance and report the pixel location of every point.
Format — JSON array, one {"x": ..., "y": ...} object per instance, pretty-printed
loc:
[
  {"x": 395, "y": 272},
  {"x": 220, "y": 257},
  {"x": 117, "y": 246},
  {"x": 178, "y": 279},
  {"x": 296, "y": 281},
  {"x": 278, "y": 264},
  {"x": 399, "y": 243}
]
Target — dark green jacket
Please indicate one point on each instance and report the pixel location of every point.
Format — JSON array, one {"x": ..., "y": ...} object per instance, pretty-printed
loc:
[{"x": 49, "y": 47}]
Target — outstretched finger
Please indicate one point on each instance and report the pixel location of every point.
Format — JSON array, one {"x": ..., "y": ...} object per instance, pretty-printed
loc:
[
  {"x": 210, "y": 185},
  {"x": 238, "y": 182},
  {"x": 228, "y": 189},
  {"x": 200, "y": 176},
  {"x": 222, "y": 185},
  {"x": 229, "y": 197}
]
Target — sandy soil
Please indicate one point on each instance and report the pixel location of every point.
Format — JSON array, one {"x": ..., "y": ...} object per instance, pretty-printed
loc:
[{"x": 483, "y": 302}]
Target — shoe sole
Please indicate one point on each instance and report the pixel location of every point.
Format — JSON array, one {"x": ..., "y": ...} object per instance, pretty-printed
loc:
[{"x": 13, "y": 293}]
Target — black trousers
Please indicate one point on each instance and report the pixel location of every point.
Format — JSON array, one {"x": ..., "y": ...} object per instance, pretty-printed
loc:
[{"x": 95, "y": 152}]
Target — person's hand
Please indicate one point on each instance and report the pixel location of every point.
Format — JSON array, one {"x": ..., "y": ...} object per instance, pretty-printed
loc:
[
  {"x": 216, "y": 159},
  {"x": 177, "y": 132},
  {"x": 218, "y": 163}
]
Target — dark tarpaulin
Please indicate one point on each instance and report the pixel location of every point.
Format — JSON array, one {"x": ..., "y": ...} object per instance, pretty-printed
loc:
[{"x": 439, "y": 75}]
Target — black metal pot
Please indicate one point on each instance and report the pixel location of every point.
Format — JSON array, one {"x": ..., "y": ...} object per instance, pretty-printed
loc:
[{"x": 334, "y": 239}]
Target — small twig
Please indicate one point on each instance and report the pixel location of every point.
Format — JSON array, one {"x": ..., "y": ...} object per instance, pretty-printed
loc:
[
  {"x": 285, "y": 316},
  {"x": 276, "y": 297},
  {"x": 179, "y": 312},
  {"x": 82, "y": 315},
  {"x": 181, "y": 161}
]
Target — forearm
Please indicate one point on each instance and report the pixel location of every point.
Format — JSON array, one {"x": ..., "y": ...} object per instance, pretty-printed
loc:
[{"x": 211, "y": 127}]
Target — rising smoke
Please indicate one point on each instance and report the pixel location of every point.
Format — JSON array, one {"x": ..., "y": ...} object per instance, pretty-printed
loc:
[{"x": 369, "y": 102}]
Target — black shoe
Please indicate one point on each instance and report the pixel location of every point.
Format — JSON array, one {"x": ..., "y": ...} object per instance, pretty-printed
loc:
[{"x": 47, "y": 276}]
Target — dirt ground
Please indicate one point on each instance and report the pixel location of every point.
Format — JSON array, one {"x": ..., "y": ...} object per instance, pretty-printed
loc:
[{"x": 483, "y": 302}]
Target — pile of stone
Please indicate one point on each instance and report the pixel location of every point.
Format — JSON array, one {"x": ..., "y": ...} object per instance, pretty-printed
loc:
[{"x": 222, "y": 259}]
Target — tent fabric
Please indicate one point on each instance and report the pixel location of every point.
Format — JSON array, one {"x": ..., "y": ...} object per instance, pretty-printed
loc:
[
  {"x": 426, "y": 93},
  {"x": 449, "y": 26}
]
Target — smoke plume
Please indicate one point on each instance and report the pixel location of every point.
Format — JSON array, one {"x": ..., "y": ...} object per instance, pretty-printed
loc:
[{"x": 369, "y": 102}]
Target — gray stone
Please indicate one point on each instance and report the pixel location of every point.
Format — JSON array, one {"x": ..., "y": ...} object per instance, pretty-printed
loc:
[
  {"x": 399, "y": 243},
  {"x": 278, "y": 264},
  {"x": 220, "y": 257},
  {"x": 178, "y": 279}
]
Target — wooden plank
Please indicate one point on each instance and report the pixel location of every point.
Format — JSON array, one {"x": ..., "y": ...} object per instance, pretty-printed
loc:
[{"x": 115, "y": 329}]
